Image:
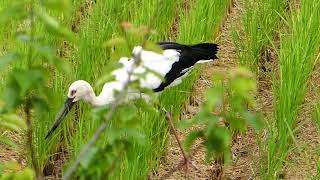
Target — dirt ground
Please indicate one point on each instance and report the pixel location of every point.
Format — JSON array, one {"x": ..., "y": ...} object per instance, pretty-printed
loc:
[{"x": 245, "y": 151}]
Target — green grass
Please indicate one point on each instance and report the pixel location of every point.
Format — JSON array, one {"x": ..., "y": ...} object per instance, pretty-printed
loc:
[
  {"x": 92, "y": 54},
  {"x": 200, "y": 23},
  {"x": 7, "y": 36},
  {"x": 260, "y": 20},
  {"x": 297, "y": 58},
  {"x": 153, "y": 126}
]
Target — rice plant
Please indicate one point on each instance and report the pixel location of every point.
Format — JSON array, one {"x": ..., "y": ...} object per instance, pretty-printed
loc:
[
  {"x": 260, "y": 23},
  {"x": 298, "y": 56}
]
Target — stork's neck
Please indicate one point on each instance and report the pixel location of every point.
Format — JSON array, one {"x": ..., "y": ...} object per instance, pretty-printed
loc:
[{"x": 106, "y": 96}]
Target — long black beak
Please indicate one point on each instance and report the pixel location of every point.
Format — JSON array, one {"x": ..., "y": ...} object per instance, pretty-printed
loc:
[{"x": 66, "y": 108}]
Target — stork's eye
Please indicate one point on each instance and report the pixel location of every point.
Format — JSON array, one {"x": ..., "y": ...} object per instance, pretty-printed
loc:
[{"x": 73, "y": 92}]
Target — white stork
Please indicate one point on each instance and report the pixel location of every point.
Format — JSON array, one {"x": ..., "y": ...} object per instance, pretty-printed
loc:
[{"x": 175, "y": 62}]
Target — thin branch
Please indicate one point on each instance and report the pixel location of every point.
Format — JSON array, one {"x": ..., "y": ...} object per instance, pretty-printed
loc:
[
  {"x": 32, "y": 31},
  {"x": 118, "y": 101},
  {"x": 28, "y": 103},
  {"x": 169, "y": 119}
]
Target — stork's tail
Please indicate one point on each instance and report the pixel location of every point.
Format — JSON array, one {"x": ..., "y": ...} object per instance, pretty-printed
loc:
[{"x": 204, "y": 52}]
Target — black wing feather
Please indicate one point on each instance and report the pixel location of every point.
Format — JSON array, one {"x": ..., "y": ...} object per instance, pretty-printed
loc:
[{"x": 189, "y": 55}]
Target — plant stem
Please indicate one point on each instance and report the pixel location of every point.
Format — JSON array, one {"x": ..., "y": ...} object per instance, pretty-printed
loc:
[
  {"x": 30, "y": 146},
  {"x": 29, "y": 58},
  {"x": 28, "y": 103},
  {"x": 169, "y": 119}
]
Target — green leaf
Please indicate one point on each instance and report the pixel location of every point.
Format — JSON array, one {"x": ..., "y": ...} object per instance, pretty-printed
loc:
[
  {"x": 186, "y": 123},
  {"x": 12, "y": 122},
  {"x": 151, "y": 46},
  {"x": 114, "y": 135},
  {"x": 138, "y": 137},
  {"x": 8, "y": 58},
  {"x": 253, "y": 120},
  {"x": 236, "y": 123},
  {"x": 90, "y": 156},
  {"x": 58, "y": 5},
  {"x": 217, "y": 141},
  {"x": 108, "y": 76},
  {"x": 11, "y": 165},
  {"x": 115, "y": 41},
  {"x": 12, "y": 96},
  {"x": 105, "y": 79},
  {"x": 54, "y": 27},
  {"x": 192, "y": 136},
  {"x": 206, "y": 117},
  {"x": 49, "y": 53},
  {"x": 214, "y": 98},
  {"x": 8, "y": 141},
  {"x": 15, "y": 11},
  {"x": 28, "y": 79},
  {"x": 45, "y": 50},
  {"x": 127, "y": 112},
  {"x": 40, "y": 104},
  {"x": 24, "y": 38},
  {"x": 62, "y": 65},
  {"x": 218, "y": 77},
  {"x": 25, "y": 174},
  {"x": 144, "y": 106}
]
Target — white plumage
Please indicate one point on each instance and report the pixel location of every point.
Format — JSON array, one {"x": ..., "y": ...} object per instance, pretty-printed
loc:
[
  {"x": 159, "y": 63},
  {"x": 174, "y": 63}
]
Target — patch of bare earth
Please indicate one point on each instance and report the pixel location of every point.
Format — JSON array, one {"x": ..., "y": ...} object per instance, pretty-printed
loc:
[
  {"x": 9, "y": 154},
  {"x": 171, "y": 164}
]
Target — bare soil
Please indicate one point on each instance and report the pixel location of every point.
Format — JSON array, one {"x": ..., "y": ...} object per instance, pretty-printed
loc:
[{"x": 246, "y": 160}]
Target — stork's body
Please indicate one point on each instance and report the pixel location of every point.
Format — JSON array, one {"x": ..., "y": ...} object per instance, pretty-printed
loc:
[{"x": 173, "y": 64}]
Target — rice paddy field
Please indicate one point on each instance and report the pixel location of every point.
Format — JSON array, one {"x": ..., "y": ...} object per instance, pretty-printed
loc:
[{"x": 277, "y": 40}]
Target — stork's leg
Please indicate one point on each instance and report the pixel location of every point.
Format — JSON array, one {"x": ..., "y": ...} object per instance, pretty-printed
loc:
[{"x": 187, "y": 160}]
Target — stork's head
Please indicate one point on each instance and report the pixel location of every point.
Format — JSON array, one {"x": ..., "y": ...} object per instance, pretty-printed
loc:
[{"x": 78, "y": 90}]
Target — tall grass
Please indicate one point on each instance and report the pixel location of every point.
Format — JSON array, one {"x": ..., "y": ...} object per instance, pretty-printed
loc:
[
  {"x": 10, "y": 43},
  {"x": 297, "y": 58},
  {"x": 152, "y": 126},
  {"x": 260, "y": 24},
  {"x": 88, "y": 60},
  {"x": 204, "y": 17},
  {"x": 91, "y": 59},
  {"x": 58, "y": 84}
]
